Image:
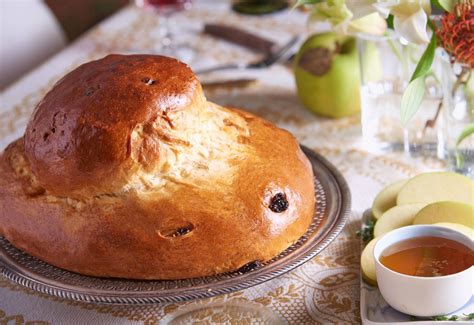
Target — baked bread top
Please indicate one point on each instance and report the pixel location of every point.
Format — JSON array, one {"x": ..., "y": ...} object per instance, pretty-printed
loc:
[
  {"x": 110, "y": 119},
  {"x": 126, "y": 170}
]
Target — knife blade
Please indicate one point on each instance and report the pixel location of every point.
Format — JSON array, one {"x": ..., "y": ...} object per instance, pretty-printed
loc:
[
  {"x": 229, "y": 84},
  {"x": 241, "y": 37}
]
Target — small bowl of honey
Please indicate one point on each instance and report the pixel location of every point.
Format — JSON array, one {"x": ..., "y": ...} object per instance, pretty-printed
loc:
[{"x": 425, "y": 270}]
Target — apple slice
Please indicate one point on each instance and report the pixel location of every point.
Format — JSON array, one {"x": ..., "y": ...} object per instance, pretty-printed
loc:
[
  {"x": 367, "y": 262},
  {"x": 387, "y": 198},
  {"x": 438, "y": 186},
  {"x": 446, "y": 211},
  {"x": 396, "y": 217},
  {"x": 458, "y": 227}
]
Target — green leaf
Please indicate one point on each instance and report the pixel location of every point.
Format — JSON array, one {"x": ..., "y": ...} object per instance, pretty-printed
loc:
[
  {"x": 459, "y": 159},
  {"x": 305, "y": 2},
  {"x": 333, "y": 11},
  {"x": 411, "y": 99},
  {"x": 468, "y": 130},
  {"x": 389, "y": 21},
  {"x": 367, "y": 231},
  {"x": 444, "y": 318},
  {"x": 426, "y": 60},
  {"x": 413, "y": 95},
  {"x": 446, "y": 5},
  {"x": 469, "y": 316}
]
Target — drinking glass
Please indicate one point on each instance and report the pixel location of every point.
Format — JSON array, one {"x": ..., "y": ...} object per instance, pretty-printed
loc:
[
  {"x": 458, "y": 107},
  {"x": 166, "y": 9},
  {"x": 387, "y": 63}
]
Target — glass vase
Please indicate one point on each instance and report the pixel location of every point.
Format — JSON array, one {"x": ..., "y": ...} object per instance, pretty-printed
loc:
[
  {"x": 387, "y": 64},
  {"x": 458, "y": 109}
]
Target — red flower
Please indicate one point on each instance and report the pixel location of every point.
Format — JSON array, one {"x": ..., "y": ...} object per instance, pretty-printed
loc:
[{"x": 456, "y": 33}]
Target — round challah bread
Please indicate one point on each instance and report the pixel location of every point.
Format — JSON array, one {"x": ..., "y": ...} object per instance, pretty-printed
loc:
[{"x": 125, "y": 170}]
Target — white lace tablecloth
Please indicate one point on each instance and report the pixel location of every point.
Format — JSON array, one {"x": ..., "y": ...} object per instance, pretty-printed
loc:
[{"x": 324, "y": 290}]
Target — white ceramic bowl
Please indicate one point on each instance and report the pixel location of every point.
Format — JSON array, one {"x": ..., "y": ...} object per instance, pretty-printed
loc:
[{"x": 423, "y": 296}]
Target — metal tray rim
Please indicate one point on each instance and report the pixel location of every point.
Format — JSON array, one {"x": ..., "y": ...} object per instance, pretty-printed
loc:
[{"x": 27, "y": 279}]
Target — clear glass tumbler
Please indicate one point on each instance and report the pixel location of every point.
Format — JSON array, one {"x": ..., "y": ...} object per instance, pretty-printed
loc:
[
  {"x": 387, "y": 63},
  {"x": 458, "y": 107},
  {"x": 166, "y": 41}
]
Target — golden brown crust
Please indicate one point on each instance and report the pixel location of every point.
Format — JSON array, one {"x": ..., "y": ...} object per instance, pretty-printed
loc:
[
  {"x": 199, "y": 205},
  {"x": 81, "y": 131}
]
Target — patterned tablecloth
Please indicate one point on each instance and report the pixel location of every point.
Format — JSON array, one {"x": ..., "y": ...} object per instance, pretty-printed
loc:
[{"x": 324, "y": 290}]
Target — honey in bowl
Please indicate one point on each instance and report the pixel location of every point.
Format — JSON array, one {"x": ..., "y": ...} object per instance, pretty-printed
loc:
[{"x": 428, "y": 257}]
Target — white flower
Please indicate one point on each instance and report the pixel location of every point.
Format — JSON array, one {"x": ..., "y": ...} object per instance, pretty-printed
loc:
[
  {"x": 370, "y": 24},
  {"x": 413, "y": 28},
  {"x": 350, "y": 16},
  {"x": 410, "y": 17},
  {"x": 366, "y": 16}
]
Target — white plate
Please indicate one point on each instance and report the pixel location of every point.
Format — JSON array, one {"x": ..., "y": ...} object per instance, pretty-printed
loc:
[{"x": 374, "y": 310}]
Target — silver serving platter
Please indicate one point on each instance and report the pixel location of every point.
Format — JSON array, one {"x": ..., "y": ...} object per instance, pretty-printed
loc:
[{"x": 332, "y": 210}]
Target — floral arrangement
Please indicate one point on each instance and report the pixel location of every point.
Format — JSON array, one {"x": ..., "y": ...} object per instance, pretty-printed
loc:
[
  {"x": 453, "y": 31},
  {"x": 456, "y": 33}
]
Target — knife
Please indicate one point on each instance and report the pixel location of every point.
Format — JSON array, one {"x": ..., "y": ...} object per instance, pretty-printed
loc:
[
  {"x": 229, "y": 84},
  {"x": 241, "y": 37}
]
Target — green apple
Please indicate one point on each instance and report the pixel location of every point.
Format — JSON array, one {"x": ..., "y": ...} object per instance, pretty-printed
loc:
[
  {"x": 367, "y": 262},
  {"x": 437, "y": 186},
  {"x": 446, "y": 211},
  {"x": 396, "y": 217},
  {"x": 387, "y": 198},
  {"x": 327, "y": 75}
]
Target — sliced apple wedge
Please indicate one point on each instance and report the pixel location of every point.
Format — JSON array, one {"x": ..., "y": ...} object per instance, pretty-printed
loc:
[
  {"x": 458, "y": 227},
  {"x": 437, "y": 186},
  {"x": 446, "y": 211},
  {"x": 387, "y": 198},
  {"x": 367, "y": 262},
  {"x": 396, "y": 217}
]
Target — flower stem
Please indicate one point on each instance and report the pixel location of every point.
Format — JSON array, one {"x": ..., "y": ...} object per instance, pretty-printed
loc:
[{"x": 399, "y": 55}]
